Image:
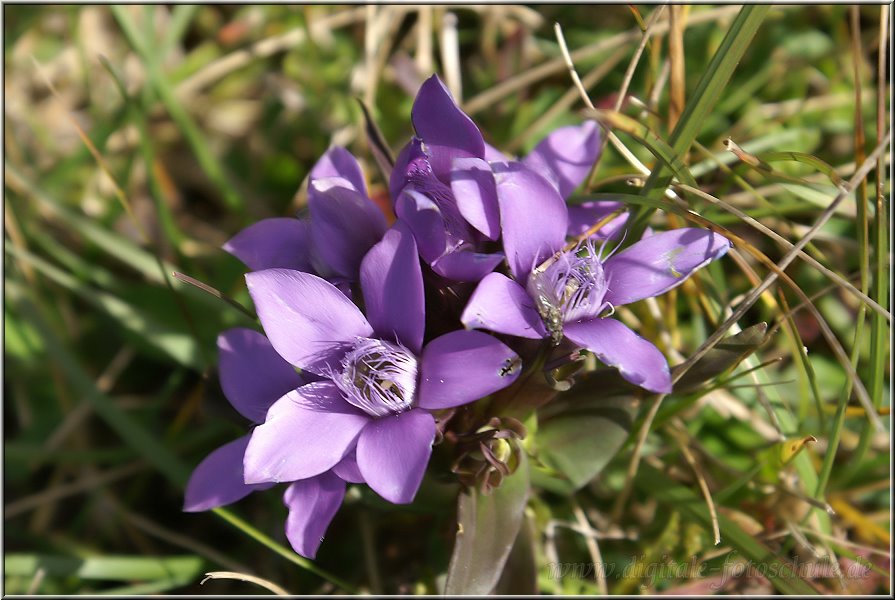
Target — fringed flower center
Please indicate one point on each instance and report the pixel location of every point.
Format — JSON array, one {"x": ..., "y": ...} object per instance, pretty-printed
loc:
[
  {"x": 569, "y": 287},
  {"x": 378, "y": 377}
]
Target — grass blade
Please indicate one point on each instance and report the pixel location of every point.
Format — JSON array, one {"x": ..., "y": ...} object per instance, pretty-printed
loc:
[
  {"x": 171, "y": 341},
  {"x": 702, "y": 100},
  {"x": 194, "y": 136},
  {"x": 784, "y": 578},
  {"x": 113, "y": 568}
]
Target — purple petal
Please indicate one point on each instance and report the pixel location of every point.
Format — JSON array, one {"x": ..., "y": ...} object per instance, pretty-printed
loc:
[
  {"x": 425, "y": 221},
  {"x": 660, "y": 262},
  {"x": 464, "y": 265},
  {"x": 501, "y": 305},
  {"x": 344, "y": 225},
  {"x": 392, "y": 283},
  {"x": 476, "y": 193},
  {"x": 272, "y": 243},
  {"x": 492, "y": 154},
  {"x": 533, "y": 217},
  {"x": 312, "y": 504},
  {"x": 339, "y": 162},
  {"x": 446, "y": 130},
  {"x": 566, "y": 156},
  {"x": 347, "y": 468},
  {"x": 253, "y": 376},
  {"x": 463, "y": 366},
  {"x": 636, "y": 359},
  {"x": 306, "y": 318},
  {"x": 587, "y": 214},
  {"x": 218, "y": 480},
  {"x": 307, "y": 431},
  {"x": 393, "y": 451},
  {"x": 408, "y": 155}
]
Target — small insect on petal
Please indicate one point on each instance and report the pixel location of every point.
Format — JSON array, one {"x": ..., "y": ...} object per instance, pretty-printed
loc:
[{"x": 510, "y": 367}]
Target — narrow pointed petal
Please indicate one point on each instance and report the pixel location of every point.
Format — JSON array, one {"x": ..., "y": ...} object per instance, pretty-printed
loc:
[
  {"x": 312, "y": 504},
  {"x": 447, "y": 131},
  {"x": 425, "y": 221},
  {"x": 533, "y": 217},
  {"x": 464, "y": 265},
  {"x": 392, "y": 283},
  {"x": 660, "y": 262},
  {"x": 347, "y": 468},
  {"x": 274, "y": 243},
  {"x": 393, "y": 451},
  {"x": 636, "y": 359},
  {"x": 218, "y": 480},
  {"x": 307, "y": 431},
  {"x": 306, "y": 319},
  {"x": 253, "y": 376},
  {"x": 344, "y": 225},
  {"x": 587, "y": 214},
  {"x": 463, "y": 366},
  {"x": 339, "y": 162},
  {"x": 501, "y": 305},
  {"x": 566, "y": 156},
  {"x": 476, "y": 193}
]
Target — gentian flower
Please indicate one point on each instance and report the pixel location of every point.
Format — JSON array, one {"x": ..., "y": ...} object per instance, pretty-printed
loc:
[
  {"x": 253, "y": 377},
  {"x": 572, "y": 293},
  {"x": 429, "y": 183},
  {"x": 564, "y": 158},
  {"x": 344, "y": 224},
  {"x": 444, "y": 189},
  {"x": 372, "y": 408}
]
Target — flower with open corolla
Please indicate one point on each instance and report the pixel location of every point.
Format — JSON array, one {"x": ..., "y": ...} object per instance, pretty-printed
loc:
[
  {"x": 253, "y": 377},
  {"x": 571, "y": 292},
  {"x": 370, "y": 414},
  {"x": 344, "y": 224}
]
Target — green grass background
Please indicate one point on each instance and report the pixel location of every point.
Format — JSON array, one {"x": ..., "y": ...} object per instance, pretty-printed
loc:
[{"x": 138, "y": 139}]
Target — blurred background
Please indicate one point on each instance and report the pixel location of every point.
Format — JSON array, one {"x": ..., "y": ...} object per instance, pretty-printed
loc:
[{"x": 138, "y": 139}]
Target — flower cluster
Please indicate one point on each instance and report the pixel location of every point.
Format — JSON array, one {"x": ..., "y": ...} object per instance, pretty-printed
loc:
[{"x": 375, "y": 334}]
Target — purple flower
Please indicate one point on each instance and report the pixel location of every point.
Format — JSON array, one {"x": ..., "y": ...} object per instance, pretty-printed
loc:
[
  {"x": 253, "y": 377},
  {"x": 372, "y": 408},
  {"x": 344, "y": 224},
  {"x": 564, "y": 158},
  {"x": 444, "y": 189},
  {"x": 571, "y": 293}
]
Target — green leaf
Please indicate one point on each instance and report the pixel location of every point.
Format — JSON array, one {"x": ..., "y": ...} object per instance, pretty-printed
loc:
[
  {"x": 728, "y": 353},
  {"x": 113, "y": 568},
  {"x": 580, "y": 442},
  {"x": 487, "y": 528},
  {"x": 520, "y": 575}
]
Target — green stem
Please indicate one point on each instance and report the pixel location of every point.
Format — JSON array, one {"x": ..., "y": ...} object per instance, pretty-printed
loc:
[{"x": 281, "y": 550}]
